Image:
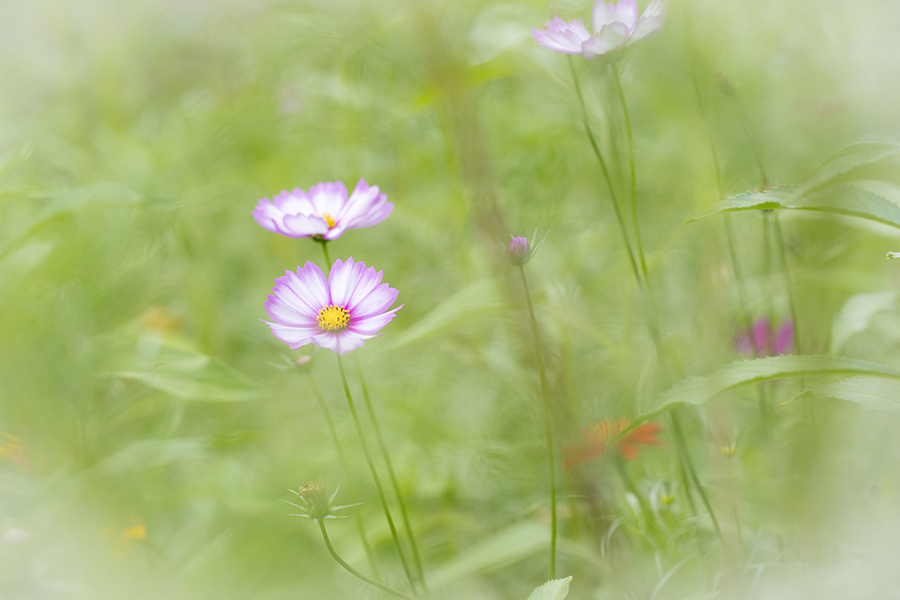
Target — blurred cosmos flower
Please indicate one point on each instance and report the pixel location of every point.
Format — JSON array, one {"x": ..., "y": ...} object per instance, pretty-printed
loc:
[
  {"x": 765, "y": 341},
  {"x": 615, "y": 25},
  {"x": 317, "y": 504},
  {"x": 339, "y": 313},
  {"x": 597, "y": 436},
  {"x": 325, "y": 212}
]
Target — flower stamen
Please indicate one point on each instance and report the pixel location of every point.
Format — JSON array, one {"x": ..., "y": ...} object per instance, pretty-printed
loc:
[
  {"x": 329, "y": 220},
  {"x": 333, "y": 318}
]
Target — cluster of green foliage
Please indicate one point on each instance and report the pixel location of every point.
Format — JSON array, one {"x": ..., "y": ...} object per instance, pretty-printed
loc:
[{"x": 150, "y": 424}]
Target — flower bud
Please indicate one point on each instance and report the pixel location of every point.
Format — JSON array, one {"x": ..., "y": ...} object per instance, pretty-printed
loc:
[
  {"x": 518, "y": 251},
  {"x": 318, "y": 504}
]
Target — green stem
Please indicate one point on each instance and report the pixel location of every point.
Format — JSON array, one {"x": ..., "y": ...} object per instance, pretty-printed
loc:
[
  {"x": 548, "y": 428},
  {"x": 634, "y": 215},
  {"x": 754, "y": 144},
  {"x": 324, "y": 243},
  {"x": 679, "y": 437},
  {"x": 779, "y": 240},
  {"x": 393, "y": 477},
  {"x": 365, "y": 447},
  {"x": 353, "y": 571},
  {"x": 603, "y": 167},
  {"x": 343, "y": 460}
]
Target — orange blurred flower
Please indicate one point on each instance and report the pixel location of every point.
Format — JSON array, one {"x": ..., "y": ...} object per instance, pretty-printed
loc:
[
  {"x": 12, "y": 449},
  {"x": 597, "y": 436}
]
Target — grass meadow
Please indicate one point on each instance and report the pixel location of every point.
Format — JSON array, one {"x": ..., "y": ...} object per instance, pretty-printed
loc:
[{"x": 711, "y": 366}]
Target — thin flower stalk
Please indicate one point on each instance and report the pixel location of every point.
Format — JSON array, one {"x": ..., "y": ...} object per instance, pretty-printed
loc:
[
  {"x": 324, "y": 243},
  {"x": 692, "y": 472},
  {"x": 356, "y": 573},
  {"x": 779, "y": 239},
  {"x": 342, "y": 457},
  {"x": 375, "y": 477},
  {"x": 548, "y": 428},
  {"x": 417, "y": 558},
  {"x": 605, "y": 170},
  {"x": 634, "y": 216}
]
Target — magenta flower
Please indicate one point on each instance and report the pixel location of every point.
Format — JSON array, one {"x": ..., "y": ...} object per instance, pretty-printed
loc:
[
  {"x": 765, "y": 341},
  {"x": 339, "y": 313},
  {"x": 325, "y": 212},
  {"x": 615, "y": 25}
]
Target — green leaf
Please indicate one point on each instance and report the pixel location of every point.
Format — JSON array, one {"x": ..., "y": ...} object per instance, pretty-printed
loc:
[
  {"x": 697, "y": 390},
  {"x": 873, "y": 393},
  {"x": 555, "y": 589},
  {"x": 870, "y": 149},
  {"x": 474, "y": 301},
  {"x": 856, "y": 314},
  {"x": 503, "y": 548},
  {"x": 101, "y": 195},
  {"x": 837, "y": 199},
  {"x": 190, "y": 375}
]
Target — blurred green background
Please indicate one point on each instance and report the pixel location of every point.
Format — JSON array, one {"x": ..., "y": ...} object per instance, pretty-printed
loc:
[{"x": 150, "y": 427}]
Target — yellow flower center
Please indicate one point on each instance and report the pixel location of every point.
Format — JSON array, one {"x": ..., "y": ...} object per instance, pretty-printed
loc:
[
  {"x": 333, "y": 318},
  {"x": 328, "y": 220}
]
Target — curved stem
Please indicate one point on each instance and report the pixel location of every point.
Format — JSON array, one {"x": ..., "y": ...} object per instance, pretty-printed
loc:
[
  {"x": 634, "y": 215},
  {"x": 609, "y": 183},
  {"x": 393, "y": 477},
  {"x": 548, "y": 428},
  {"x": 365, "y": 447},
  {"x": 343, "y": 460},
  {"x": 356, "y": 573}
]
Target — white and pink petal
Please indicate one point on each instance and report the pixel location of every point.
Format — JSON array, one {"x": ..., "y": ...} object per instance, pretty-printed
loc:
[{"x": 624, "y": 11}]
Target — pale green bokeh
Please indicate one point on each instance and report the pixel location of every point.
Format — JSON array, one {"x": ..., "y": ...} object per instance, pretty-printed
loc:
[{"x": 159, "y": 431}]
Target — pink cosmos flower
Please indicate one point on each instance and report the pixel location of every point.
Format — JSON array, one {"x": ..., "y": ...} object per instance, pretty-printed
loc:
[
  {"x": 615, "y": 25},
  {"x": 765, "y": 341},
  {"x": 325, "y": 212},
  {"x": 339, "y": 313}
]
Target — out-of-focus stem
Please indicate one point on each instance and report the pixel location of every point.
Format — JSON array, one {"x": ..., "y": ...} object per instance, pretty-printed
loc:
[
  {"x": 634, "y": 216},
  {"x": 548, "y": 427},
  {"x": 679, "y": 438},
  {"x": 754, "y": 144},
  {"x": 779, "y": 239},
  {"x": 343, "y": 460},
  {"x": 370, "y": 462},
  {"x": 353, "y": 571},
  {"x": 605, "y": 170},
  {"x": 393, "y": 477},
  {"x": 324, "y": 243}
]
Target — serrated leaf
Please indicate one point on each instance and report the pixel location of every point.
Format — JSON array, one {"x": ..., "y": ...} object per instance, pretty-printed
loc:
[
  {"x": 837, "y": 199},
  {"x": 867, "y": 150},
  {"x": 555, "y": 589},
  {"x": 191, "y": 375},
  {"x": 697, "y": 390},
  {"x": 873, "y": 393}
]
